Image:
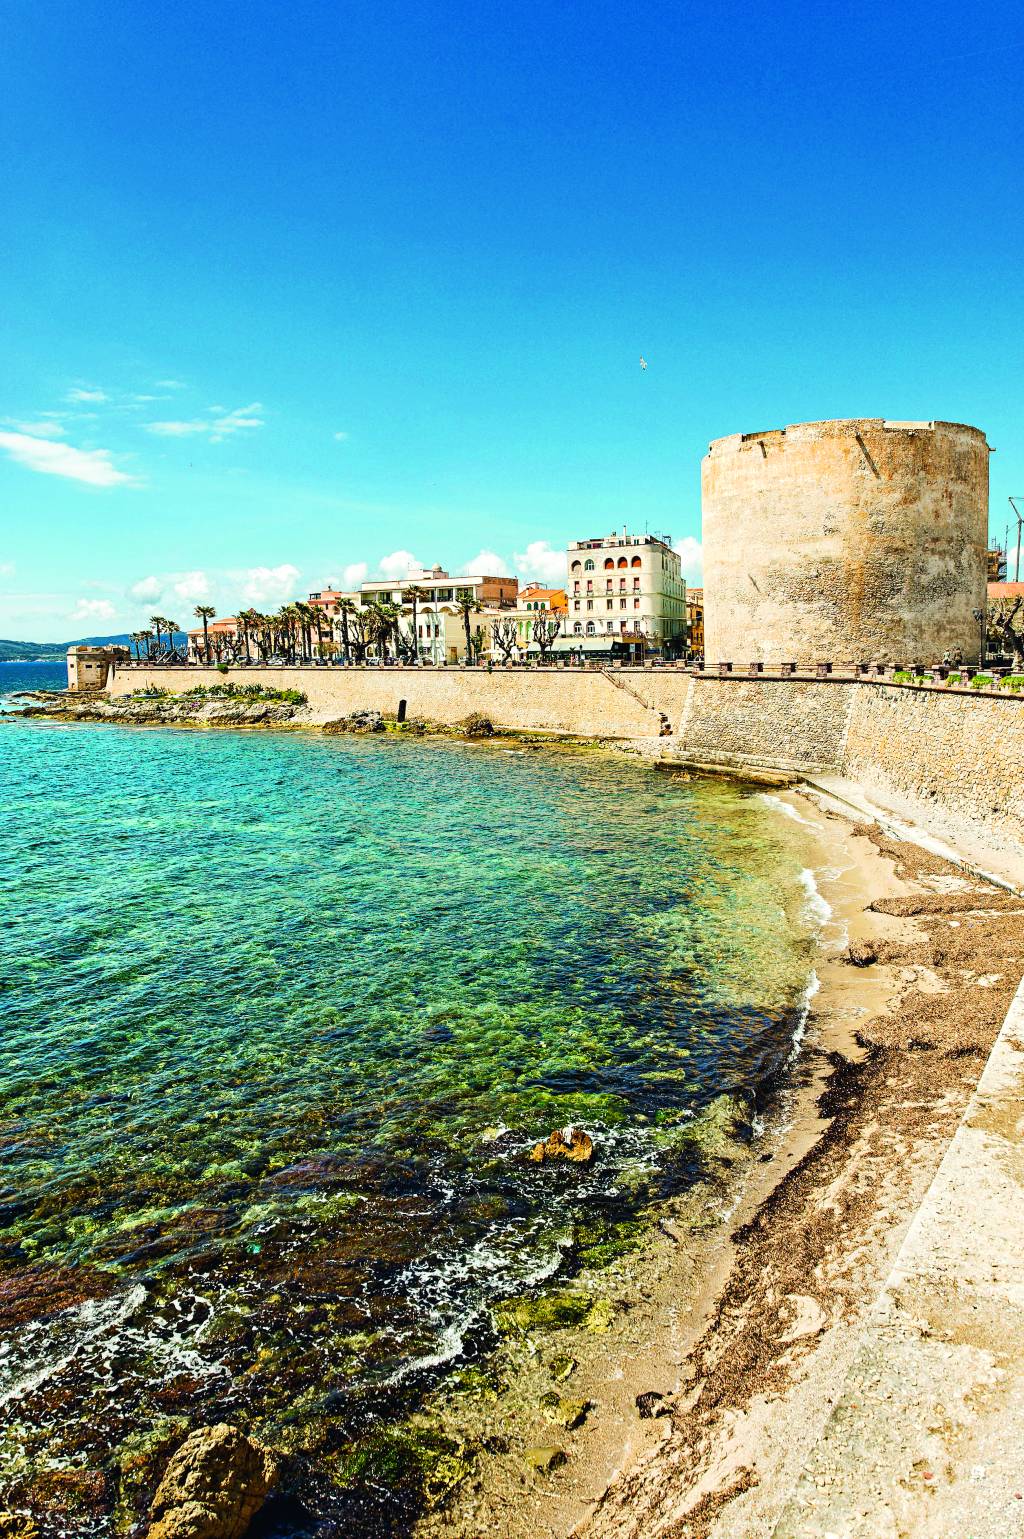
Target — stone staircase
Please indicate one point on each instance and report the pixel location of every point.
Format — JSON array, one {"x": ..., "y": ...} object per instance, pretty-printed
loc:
[{"x": 664, "y": 725}]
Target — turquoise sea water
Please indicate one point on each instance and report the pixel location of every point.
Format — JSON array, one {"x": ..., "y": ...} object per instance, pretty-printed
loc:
[{"x": 282, "y": 1014}]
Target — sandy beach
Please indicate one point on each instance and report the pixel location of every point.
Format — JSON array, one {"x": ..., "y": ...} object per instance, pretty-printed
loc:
[{"x": 697, "y": 1389}]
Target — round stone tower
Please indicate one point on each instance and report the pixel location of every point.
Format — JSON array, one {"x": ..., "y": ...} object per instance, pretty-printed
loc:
[{"x": 853, "y": 541}]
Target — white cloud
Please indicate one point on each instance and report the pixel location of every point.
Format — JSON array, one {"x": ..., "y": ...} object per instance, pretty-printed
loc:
[
  {"x": 540, "y": 563},
  {"x": 6, "y": 568},
  {"x": 45, "y": 429},
  {"x": 340, "y": 438},
  {"x": 691, "y": 558},
  {"x": 399, "y": 564},
  {"x": 147, "y": 588},
  {"x": 191, "y": 586},
  {"x": 85, "y": 393},
  {"x": 49, "y": 459},
  {"x": 265, "y": 584},
  {"x": 93, "y": 609},
  {"x": 353, "y": 575},
  {"x": 487, "y": 564},
  {"x": 218, "y": 424},
  {"x": 169, "y": 384}
]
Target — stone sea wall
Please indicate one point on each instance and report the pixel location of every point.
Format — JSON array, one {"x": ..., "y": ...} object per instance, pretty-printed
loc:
[
  {"x": 952, "y": 763},
  {"x": 948, "y": 760},
  {"x": 589, "y": 705}
]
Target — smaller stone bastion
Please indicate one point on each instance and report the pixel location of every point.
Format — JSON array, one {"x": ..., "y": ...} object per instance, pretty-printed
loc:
[{"x": 849, "y": 541}]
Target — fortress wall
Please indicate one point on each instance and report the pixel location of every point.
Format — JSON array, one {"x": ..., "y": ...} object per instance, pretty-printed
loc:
[
  {"x": 554, "y": 700},
  {"x": 789, "y": 724},
  {"x": 949, "y": 762}
]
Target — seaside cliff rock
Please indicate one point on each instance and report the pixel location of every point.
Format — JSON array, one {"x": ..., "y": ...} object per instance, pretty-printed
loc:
[
  {"x": 213, "y": 1486},
  {"x": 358, "y": 721},
  {"x": 157, "y": 710},
  {"x": 564, "y": 1144}
]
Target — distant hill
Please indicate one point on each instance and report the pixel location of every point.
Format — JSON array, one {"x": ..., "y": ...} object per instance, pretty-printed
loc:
[{"x": 45, "y": 651}]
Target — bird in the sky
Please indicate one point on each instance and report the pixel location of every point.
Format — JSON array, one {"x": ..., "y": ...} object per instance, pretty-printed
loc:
[{"x": 643, "y": 361}]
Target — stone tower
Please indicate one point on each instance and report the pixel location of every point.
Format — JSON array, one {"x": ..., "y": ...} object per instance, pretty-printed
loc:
[{"x": 847, "y": 541}]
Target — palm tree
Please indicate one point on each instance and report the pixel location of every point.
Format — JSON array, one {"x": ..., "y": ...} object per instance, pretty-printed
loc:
[
  {"x": 157, "y": 621},
  {"x": 136, "y": 638},
  {"x": 172, "y": 628},
  {"x": 468, "y": 605},
  {"x": 305, "y": 618},
  {"x": 345, "y": 608},
  {"x": 318, "y": 626},
  {"x": 249, "y": 621},
  {"x": 147, "y": 637},
  {"x": 414, "y": 594},
  {"x": 206, "y": 613}
]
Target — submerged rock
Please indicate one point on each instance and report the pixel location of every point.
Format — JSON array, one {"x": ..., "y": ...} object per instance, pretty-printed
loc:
[
  {"x": 543, "y": 1460},
  {"x": 563, "y": 1411},
  {"x": 561, "y": 1367},
  {"x": 564, "y": 1144},
  {"x": 213, "y": 1486}
]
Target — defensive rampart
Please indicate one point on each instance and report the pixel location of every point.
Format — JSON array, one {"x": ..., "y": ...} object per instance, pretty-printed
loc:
[{"x": 949, "y": 760}]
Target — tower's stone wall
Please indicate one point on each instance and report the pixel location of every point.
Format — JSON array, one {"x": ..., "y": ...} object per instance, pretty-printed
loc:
[{"x": 847, "y": 541}]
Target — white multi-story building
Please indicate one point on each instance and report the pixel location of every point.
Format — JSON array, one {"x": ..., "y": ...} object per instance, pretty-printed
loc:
[{"x": 625, "y": 588}]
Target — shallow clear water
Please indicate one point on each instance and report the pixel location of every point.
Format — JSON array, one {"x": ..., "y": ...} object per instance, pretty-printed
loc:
[{"x": 282, "y": 1013}]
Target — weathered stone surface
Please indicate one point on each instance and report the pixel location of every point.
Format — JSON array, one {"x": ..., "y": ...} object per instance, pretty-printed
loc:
[
  {"x": 213, "y": 1486},
  {"x": 651, "y": 1403},
  {"x": 862, "y": 954},
  {"x": 564, "y": 1144},
  {"x": 860, "y": 540}
]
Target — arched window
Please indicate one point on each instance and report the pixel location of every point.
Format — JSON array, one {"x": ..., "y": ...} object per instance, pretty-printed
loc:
[
  {"x": 623, "y": 561},
  {"x": 576, "y": 567},
  {"x": 635, "y": 561},
  {"x": 590, "y": 627},
  {"x": 578, "y": 629},
  {"x": 609, "y": 564},
  {"x": 588, "y": 566}
]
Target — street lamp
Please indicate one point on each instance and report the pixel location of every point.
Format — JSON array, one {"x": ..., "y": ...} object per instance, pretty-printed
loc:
[{"x": 979, "y": 615}]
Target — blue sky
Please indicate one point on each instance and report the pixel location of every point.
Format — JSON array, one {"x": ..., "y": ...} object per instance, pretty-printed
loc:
[{"x": 290, "y": 290}]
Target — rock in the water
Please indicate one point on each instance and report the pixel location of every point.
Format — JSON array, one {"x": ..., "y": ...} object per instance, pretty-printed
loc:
[
  {"x": 358, "y": 721},
  {"x": 651, "y": 1403},
  {"x": 862, "y": 954},
  {"x": 564, "y": 1412},
  {"x": 543, "y": 1460},
  {"x": 476, "y": 724},
  {"x": 213, "y": 1486},
  {"x": 14, "y": 1525},
  {"x": 564, "y": 1144},
  {"x": 561, "y": 1367}
]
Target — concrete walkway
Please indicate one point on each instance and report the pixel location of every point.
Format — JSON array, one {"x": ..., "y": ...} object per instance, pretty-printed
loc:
[{"x": 926, "y": 1439}]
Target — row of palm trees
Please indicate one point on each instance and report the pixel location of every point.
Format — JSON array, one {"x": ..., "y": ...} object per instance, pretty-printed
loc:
[
  {"x": 163, "y": 631},
  {"x": 359, "y": 630}
]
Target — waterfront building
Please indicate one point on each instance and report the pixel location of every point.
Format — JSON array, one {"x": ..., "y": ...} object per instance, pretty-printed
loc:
[
  {"x": 625, "y": 589},
  {"x": 534, "y": 601},
  {"x": 695, "y": 621},
  {"x": 441, "y": 632}
]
